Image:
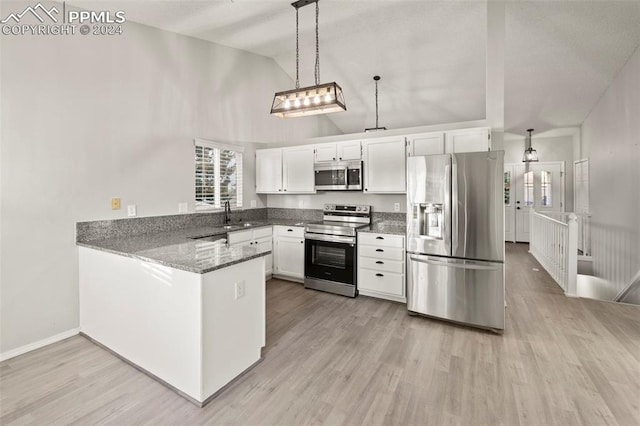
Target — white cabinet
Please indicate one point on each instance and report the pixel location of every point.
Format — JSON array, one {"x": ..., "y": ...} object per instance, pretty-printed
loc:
[
  {"x": 425, "y": 144},
  {"x": 288, "y": 242},
  {"x": 462, "y": 140},
  {"x": 384, "y": 165},
  {"x": 297, "y": 170},
  {"x": 280, "y": 170},
  {"x": 269, "y": 170},
  {"x": 468, "y": 140},
  {"x": 258, "y": 237},
  {"x": 381, "y": 270},
  {"x": 338, "y": 151}
]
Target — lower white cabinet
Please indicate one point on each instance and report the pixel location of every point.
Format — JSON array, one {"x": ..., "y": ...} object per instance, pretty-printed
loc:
[
  {"x": 381, "y": 267},
  {"x": 259, "y": 237},
  {"x": 288, "y": 250}
]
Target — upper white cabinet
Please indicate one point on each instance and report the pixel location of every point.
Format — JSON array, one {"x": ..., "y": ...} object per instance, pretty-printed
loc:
[
  {"x": 463, "y": 140},
  {"x": 297, "y": 169},
  {"x": 425, "y": 144},
  {"x": 468, "y": 140},
  {"x": 339, "y": 151},
  {"x": 269, "y": 170},
  {"x": 285, "y": 170},
  {"x": 384, "y": 165}
]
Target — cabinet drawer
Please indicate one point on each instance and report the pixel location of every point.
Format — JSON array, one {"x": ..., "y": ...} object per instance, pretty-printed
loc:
[
  {"x": 289, "y": 231},
  {"x": 239, "y": 236},
  {"x": 383, "y": 282},
  {"x": 380, "y": 252},
  {"x": 382, "y": 265},
  {"x": 382, "y": 240},
  {"x": 262, "y": 232}
]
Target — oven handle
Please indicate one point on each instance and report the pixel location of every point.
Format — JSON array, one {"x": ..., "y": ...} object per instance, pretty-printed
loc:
[{"x": 330, "y": 238}]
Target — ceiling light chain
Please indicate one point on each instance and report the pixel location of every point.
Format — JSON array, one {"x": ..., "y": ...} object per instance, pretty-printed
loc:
[
  {"x": 297, "y": 54},
  {"x": 317, "y": 71}
]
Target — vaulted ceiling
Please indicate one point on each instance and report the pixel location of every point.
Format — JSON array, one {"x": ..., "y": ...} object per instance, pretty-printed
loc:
[{"x": 559, "y": 56}]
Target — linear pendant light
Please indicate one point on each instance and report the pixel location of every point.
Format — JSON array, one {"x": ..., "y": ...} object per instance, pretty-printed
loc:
[
  {"x": 318, "y": 99},
  {"x": 530, "y": 154}
]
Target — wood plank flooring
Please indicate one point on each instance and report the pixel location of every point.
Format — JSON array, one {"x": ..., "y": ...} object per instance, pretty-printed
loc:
[{"x": 339, "y": 361}]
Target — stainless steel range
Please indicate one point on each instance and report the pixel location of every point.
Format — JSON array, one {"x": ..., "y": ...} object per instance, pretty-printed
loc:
[{"x": 330, "y": 249}]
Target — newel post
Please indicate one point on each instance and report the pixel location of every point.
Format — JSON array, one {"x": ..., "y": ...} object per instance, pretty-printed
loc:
[{"x": 572, "y": 257}]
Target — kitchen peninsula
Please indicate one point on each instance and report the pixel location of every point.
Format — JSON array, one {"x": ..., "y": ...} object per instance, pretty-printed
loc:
[{"x": 189, "y": 311}]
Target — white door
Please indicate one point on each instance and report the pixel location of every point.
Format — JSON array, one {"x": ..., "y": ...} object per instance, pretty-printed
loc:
[
  {"x": 538, "y": 186},
  {"x": 268, "y": 170},
  {"x": 384, "y": 165},
  {"x": 509, "y": 203},
  {"x": 289, "y": 257},
  {"x": 297, "y": 166}
]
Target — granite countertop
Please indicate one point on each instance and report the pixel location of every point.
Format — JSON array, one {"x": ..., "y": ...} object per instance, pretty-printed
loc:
[
  {"x": 387, "y": 227},
  {"x": 199, "y": 250}
]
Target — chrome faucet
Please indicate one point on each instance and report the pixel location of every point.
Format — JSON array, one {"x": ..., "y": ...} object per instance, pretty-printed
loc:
[{"x": 227, "y": 212}]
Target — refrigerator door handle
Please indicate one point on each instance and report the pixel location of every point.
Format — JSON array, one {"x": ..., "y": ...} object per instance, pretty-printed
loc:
[
  {"x": 446, "y": 232},
  {"x": 454, "y": 204},
  {"x": 453, "y": 265}
]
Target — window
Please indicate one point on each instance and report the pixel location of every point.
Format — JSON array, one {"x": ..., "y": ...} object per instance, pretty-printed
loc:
[
  {"x": 528, "y": 189},
  {"x": 545, "y": 189},
  {"x": 218, "y": 174},
  {"x": 507, "y": 188}
]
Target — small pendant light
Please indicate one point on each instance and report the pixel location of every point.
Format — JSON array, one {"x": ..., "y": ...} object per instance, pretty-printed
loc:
[
  {"x": 530, "y": 154},
  {"x": 376, "y": 78}
]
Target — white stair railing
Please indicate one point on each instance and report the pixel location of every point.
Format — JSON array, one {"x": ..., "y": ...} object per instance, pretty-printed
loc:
[{"x": 554, "y": 243}]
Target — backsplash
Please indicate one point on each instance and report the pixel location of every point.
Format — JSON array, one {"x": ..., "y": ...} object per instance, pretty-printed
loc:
[{"x": 100, "y": 229}]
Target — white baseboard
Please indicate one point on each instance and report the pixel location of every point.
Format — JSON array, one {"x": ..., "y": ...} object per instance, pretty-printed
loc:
[{"x": 39, "y": 344}]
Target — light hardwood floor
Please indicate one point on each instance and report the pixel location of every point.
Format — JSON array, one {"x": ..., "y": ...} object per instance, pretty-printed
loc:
[{"x": 334, "y": 360}]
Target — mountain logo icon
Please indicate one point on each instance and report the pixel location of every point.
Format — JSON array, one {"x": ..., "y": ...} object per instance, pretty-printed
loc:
[{"x": 38, "y": 11}]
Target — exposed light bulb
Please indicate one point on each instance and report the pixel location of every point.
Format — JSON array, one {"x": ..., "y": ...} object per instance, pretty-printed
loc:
[
  {"x": 316, "y": 100},
  {"x": 296, "y": 103},
  {"x": 306, "y": 102},
  {"x": 327, "y": 98},
  {"x": 287, "y": 104}
]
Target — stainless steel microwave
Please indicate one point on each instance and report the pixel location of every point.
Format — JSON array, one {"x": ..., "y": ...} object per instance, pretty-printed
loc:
[{"x": 338, "y": 176}]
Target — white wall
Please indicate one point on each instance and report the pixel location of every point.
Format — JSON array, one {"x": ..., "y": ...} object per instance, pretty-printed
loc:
[
  {"x": 87, "y": 118},
  {"x": 549, "y": 149},
  {"x": 611, "y": 142}
]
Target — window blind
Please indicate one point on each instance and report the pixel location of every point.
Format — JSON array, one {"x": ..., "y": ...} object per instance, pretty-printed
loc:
[{"x": 218, "y": 174}]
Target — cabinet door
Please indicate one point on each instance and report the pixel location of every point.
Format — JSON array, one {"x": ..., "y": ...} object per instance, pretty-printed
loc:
[
  {"x": 266, "y": 244},
  {"x": 289, "y": 257},
  {"x": 426, "y": 144},
  {"x": 384, "y": 165},
  {"x": 468, "y": 140},
  {"x": 269, "y": 170},
  {"x": 326, "y": 152},
  {"x": 297, "y": 165},
  {"x": 349, "y": 150},
  {"x": 240, "y": 237}
]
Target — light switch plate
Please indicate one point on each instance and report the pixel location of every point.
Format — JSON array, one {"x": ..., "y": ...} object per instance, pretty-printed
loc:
[
  {"x": 132, "y": 210},
  {"x": 183, "y": 207}
]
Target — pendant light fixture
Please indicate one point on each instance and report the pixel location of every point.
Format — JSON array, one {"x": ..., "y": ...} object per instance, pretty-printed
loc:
[
  {"x": 530, "y": 154},
  {"x": 318, "y": 99},
  {"x": 376, "y": 79}
]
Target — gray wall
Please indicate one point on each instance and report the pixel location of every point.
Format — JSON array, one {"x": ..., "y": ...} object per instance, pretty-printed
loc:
[
  {"x": 87, "y": 118},
  {"x": 611, "y": 142}
]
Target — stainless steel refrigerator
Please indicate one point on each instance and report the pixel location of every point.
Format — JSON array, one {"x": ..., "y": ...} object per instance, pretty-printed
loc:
[{"x": 455, "y": 238}]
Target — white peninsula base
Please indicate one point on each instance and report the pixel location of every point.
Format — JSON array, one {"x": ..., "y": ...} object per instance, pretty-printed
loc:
[{"x": 195, "y": 332}]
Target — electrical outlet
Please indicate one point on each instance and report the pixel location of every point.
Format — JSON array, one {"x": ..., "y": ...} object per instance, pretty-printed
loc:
[
  {"x": 131, "y": 210},
  {"x": 115, "y": 204},
  {"x": 396, "y": 207},
  {"x": 253, "y": 204},
  {"x": 239, "y": 290},
  {"x": 183, "y": 207}
]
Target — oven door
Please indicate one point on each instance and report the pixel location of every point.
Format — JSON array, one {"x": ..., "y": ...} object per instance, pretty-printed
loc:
[{"x": 330, "y": 258}]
